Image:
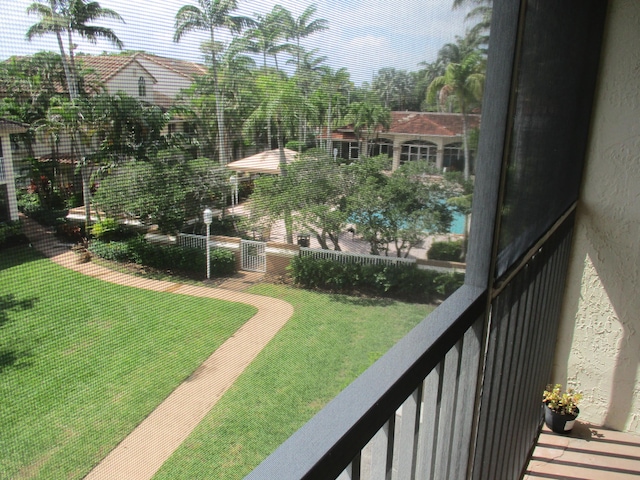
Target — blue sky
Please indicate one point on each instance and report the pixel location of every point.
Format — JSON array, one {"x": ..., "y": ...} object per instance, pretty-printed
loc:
[{"x": 363, "y": 35}]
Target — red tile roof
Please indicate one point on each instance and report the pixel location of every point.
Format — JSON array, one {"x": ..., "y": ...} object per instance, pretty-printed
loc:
[
  {"x": 107, "y": 66},
  {"x": 430, "y": 123},
  {"x": 181, "y": 67}
]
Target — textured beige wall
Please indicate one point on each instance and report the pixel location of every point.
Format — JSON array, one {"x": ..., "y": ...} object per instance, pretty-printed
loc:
[{"x": 599, "y": 342}]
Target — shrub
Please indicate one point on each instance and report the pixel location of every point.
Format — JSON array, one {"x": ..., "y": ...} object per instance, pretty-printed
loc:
[
  {"x": 447, "y": 251},
  {"x": 164, "y": 257},
  {"x": 398, "y": 281},
  {"x": 49, "y": 218},
  {"x": 114, "y": 251},
  {"x": 105, "y": 230},
  {"x": 11, "y": 234}
]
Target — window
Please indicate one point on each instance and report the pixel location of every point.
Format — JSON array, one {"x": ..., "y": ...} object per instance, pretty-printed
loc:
[
  {"x": 417, "y": 150},
  {"x": 142, "y": 87}
]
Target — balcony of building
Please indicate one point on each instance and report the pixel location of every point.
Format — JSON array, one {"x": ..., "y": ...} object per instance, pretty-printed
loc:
[{"x": 550, "y": 292}]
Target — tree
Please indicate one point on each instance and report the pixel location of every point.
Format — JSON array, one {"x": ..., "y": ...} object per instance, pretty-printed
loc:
[
  {"x": 301, "y": 27},
  {"x": 66, "y": 17},
  {"x": 366, "y": 117},
  {"x": 280, "y": 102},
  {"x": 211, "y": 16},
  {"x": 167, "y": 191},
  {"x": 265, "y": 36},
  {"x": 400, "y": 209},
  {"x": 463, "y": 83},
  {"x": 333, "y": 84},
  {"x": 318, "y": 190}
]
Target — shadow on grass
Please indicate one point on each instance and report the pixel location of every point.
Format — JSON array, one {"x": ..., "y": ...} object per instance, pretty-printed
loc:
[
  {"x": 14, "y": 256},
  {"x": 9, "y": 303},
  {"x": 9, "y": 358},
  {"x": 361, "y": 301}
]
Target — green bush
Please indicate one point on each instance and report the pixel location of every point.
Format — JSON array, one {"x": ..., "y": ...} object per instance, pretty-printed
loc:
[
  {"x": 447, "y": 251},
  {"x": 11, "y": 234},
  {"x": 164, "y": 257},
  {"x": 105, "y": 230},
  {"x": 398, "y": 281},
  {"x": 49, "y": 218},
  {"x": 114, "y": 251}
]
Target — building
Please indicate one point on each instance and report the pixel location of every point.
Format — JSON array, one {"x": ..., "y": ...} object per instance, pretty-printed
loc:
[
  {"x": 435, "y": 137},
  {"x": 553, "y": 271},
  {"x": 8, "y": 201}
]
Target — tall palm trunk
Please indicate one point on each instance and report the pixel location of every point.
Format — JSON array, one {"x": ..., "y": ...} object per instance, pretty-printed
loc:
[{"x": 288, "y": 219}]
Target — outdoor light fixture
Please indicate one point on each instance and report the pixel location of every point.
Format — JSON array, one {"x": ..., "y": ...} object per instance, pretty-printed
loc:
[{"x": 208, "y": 218}]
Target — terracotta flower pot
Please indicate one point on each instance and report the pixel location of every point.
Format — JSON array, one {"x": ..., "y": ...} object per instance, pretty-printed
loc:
[{"x": 557, "y": 422}]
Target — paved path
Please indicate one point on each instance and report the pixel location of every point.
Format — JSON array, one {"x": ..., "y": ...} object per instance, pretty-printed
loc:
[{"x": 142, "y": 453}]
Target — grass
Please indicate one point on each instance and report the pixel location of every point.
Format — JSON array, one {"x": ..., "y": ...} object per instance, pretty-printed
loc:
[
  {"x": 328, "y": 342},
  {"x": 82, "y": 361}
]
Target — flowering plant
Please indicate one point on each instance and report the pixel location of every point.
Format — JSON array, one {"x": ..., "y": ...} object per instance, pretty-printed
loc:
[{"x": 563, "y": 403}]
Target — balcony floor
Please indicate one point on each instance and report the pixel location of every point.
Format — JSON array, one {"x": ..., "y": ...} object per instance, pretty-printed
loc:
[{"x": 587, "y": 453}]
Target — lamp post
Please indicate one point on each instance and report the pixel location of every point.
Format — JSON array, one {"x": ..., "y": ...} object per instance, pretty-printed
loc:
[{"x": 208, "y": 218}]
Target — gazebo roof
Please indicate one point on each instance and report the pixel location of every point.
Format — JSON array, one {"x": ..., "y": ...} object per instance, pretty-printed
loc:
[{"x": 263, "y": 162}]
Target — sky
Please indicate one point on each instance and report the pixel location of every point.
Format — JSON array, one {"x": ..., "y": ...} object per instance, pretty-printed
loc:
[{"x": 363, "y": 35}]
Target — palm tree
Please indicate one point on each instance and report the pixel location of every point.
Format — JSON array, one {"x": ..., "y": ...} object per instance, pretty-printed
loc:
[
  {"x": 301, "y": 27},
  {"x": 333, "y": 83},
  {"x": 66, "y": 17},
  {"x": 265, "y": 36},
  {"x": 280, "y": 104},
  {"x": 366, "y": 116},
  {"x": 211, "y": 16},
  {"x": 462, "y": 82}
]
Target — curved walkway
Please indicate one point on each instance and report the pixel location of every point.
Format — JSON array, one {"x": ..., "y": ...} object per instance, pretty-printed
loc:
[{"x": 149, "y": 445}]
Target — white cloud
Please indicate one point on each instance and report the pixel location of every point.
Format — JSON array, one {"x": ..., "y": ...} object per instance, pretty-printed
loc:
[{"x": 363, "y": 35}]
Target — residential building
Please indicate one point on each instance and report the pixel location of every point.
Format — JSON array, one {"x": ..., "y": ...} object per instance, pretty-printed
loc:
[
  {"x": 431, "y": 136},
  {"x": 8, "y": 201}
]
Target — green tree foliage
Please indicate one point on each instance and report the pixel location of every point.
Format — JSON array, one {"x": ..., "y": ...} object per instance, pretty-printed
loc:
[
  {"x": 398, "y": 210},
  {"x": 66, "y": 18},
  {"x": 211, "y": 16},
  {"x": 166, "y": 192},
  {"x": 462, "y": 84}
]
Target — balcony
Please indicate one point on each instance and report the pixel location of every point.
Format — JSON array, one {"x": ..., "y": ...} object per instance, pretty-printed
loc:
[{"x": 459, "y": 397}]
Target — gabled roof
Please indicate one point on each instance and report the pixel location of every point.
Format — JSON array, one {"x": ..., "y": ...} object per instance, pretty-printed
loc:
[
  {"x": 106, "y": 67},
  {"x": 182, "y": 67}
]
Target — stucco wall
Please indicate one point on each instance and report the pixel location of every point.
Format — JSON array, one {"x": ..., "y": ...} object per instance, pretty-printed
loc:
[{"x": 599, "y": 341}]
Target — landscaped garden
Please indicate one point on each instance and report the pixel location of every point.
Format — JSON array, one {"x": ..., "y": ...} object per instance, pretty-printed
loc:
[
  {"x": 328, "y": 342},
  {"x": 83, "y": 361}
]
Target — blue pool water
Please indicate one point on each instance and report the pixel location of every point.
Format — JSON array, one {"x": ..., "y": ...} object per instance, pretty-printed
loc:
[{"x": 457, "y": 226}]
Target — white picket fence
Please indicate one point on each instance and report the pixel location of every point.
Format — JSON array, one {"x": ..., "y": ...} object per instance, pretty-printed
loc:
[
  {"x": 190, "y": 240},
  {"x": 349, "y": 257}
]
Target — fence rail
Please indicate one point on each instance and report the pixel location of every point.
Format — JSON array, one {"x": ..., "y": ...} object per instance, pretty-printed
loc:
[
  {"x": 190, "y": 240},
  {"x": 349, "y": 257}
]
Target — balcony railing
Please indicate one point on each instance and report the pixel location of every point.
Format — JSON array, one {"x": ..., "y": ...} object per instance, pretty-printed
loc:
[{"x": 418, "y": 411}]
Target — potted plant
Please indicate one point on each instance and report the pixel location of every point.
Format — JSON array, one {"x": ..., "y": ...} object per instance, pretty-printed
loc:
[{"x": 560, "y": 408}]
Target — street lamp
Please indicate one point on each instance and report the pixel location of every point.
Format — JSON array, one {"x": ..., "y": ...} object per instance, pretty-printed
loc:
[{"x": 208, "y": 218}]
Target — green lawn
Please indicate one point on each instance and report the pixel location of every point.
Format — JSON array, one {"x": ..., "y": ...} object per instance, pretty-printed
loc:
[
  {"x": 327, "y": 343},
  {"x": 82, "y": 361}
]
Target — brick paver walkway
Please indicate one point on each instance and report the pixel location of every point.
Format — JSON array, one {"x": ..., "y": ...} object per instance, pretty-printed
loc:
[{"x": 148, "y": 446}]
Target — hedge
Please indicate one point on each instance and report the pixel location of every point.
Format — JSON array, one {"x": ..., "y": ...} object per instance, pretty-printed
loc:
[
  {"x": 447, "y": 251},
  {"x": 164, "y": 257},
  {"x": 11, "y": 234},
  {"x": 398, "y": 281}
]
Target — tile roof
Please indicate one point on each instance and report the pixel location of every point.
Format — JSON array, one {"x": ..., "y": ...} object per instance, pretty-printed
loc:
[
  {"x": 182, "y": 67},
  {"x": 107, "y": 66},
  {"x": 430, "y": 123},
  {"x": 415, "y": 123}
]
